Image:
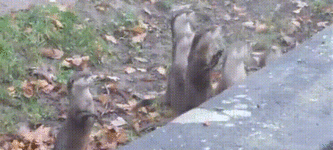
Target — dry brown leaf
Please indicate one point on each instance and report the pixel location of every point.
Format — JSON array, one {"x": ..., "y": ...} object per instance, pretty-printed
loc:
[
  {"x": 132, "y": 103},
  {"x": 28, "y": 30},
  {"x": 136, "y": 127},
  {"x": 40, "y": 135},
  {"x": 100, "y": 8},
  {"x": 139, "y": 38},
  {"x": 140, "y": 59},
  {"x": 52, "y": 53},
  {"x": 122, "y": 136},
  {"x": 138, "y": 30},
  {"x": 41, "y": 83},
  {"x": 113, "y": 78},
  {"x": 76, "y": 61},
  {"x": 119, "y": 121},
  {"x": 300, "y": 4},
  {"x": 16, "y": 145},
  {"x": 47, "y": 89},
  {"x": 57, "y": 23},
  {"x": 129, "y": 70},
  {"x": 141, "y": 69},
  {"x": 161, "y": 70},
  {"x": 322, "y": 24},
  {"x": 296, "y": 23},
  {"x": 261, "y": 28},
  {"x": 66, "y": 64},
  {"x": 28, "y": 89},
  {"x": 227, "y": 17},
  {"x": 115, "y": 134},
  {"x": 112, "y": 87},
  {"x": 103, "y": 98},
  {"x": 108, "y": 145},
  {"x": 85, "y": 62},
  {"x": 239, "y": 9},
  {"x": 124, "y": 107},
  {"x": 154, "y": 115},
  {"x": 111, "y": 39},
  {"x": 289, "y": 40},
  {"x": 297, "y": 11},
  {"x": 11, "y": 90},
  {"x": 149, "y": 97},
  {"x": 143, "y": 110},
  {"x": 249, "y": 24}
]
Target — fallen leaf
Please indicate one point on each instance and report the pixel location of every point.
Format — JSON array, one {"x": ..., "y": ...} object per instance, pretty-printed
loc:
[
  {"x": 322, "y": 24},
  {"x": 115, "y": 134},
  {"x": 129, "y": 70},
  {"x": 149, "y": 97},
  {"x": 261, "y": 28},
  {"x": 143, "y": 60},
  {"x": 113, "y": 78},
  {"x": 139, "y": 38},
  {"x": 103, "y": 98},
  {"x": 300, "y": 4},
  {"x": 249, "y": 24},
  {"x": 52, "y": 53},
  {"x": 66, "y": 64},
  {"x": 100, "y": 8},
  {"x": 297, "y": 11},
  {"x": 296, "y": 23},
  {"x": 239, "y": 9},
  {"x": 42, "y": 134},
  {"x": 41, "y": 83},
  {"x": 119, "y": 121},
  {"x": 124, "y": 107},
  {"x": 77, "y": 61},
  {"x": 57, "y": 23},
  {"x": 161, "y": 70},
  {"x": 85, "y": 62},
  {"x": 16, "y": 145},
  {"x": 154, "y": 115},
  {"x": 136, "y": 126},
  {"x": 139, "y": 30},
  {"x": 111, "y": 39},
  {"x": 28, "y": 89},
  {"x": 141, "y": 69},
  {"x": 122, "y": 136},
  {"x": 289, "y": 40},
  {"x": 227, "y": 17},
  {"x": 28, "y": 30},
  {"x": 11, "y": 90}
]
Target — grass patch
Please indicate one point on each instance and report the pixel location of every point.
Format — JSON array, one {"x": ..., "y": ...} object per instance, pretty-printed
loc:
[{"x": 22, "y": 36}]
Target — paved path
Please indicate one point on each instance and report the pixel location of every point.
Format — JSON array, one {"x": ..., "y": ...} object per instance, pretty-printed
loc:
[{"x": 285, "y": 106}]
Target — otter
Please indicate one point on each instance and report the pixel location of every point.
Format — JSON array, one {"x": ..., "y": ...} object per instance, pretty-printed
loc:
[{"x": 74, "y": 135}]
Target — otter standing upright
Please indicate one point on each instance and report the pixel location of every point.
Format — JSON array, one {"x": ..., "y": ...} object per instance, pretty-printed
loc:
[
  {"x": 200, "y": 63},
  {"x": 75, "y": 133},
  {"x": 182, "y": 36}
]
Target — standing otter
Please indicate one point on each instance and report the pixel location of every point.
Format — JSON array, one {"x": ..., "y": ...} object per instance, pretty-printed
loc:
[
  {"x": 200, "y": 63},
  {"x": 75, "y": 133},
  {"x": 233, "y": 68},
  {"x": 182, "y": 36}
]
